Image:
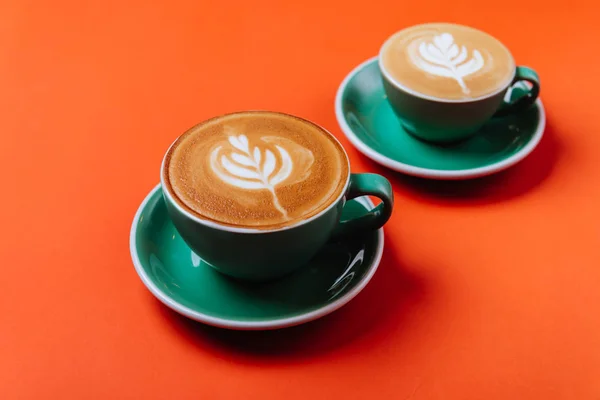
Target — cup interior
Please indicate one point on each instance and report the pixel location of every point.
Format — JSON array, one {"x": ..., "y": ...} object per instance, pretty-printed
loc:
[
  {"x": 399, "y": 86},
  {"x": 172, "y": 197}
]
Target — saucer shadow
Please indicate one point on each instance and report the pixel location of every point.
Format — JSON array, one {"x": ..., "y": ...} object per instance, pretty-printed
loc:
[
  {"x": 513, "y": 182},
  {"x": 384, "y": 303}
]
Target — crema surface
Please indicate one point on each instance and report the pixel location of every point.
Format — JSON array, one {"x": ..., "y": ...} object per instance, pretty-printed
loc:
[
  {"x": 447, "y": 61},
  {"x": 256, "y": 169}
]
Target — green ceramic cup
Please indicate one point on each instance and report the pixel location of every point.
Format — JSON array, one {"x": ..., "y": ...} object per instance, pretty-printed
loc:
[
  {"x": 260, "y": 255},
  {"x": 443, "y": 120}
]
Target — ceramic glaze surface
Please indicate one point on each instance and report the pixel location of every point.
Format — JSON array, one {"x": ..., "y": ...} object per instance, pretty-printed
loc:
[
  {"x": 184, "y": 282},
  {"x": 369, "y": 122}
]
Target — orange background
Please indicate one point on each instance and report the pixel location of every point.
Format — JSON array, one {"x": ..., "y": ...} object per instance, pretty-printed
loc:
[{"x": 487, "y": 289}]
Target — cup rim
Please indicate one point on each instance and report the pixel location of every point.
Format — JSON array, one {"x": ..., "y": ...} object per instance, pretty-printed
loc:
[
  {"x": 414, "y": 93},
  {"x": 228, "y": 228}
]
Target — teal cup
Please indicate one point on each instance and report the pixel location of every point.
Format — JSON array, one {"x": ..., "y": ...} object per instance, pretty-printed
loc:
[
  {"x": 261, "y": 255},
  {"x": 442, "y": 120}
]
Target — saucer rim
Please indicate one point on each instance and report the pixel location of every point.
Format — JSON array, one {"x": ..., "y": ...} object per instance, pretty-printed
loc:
[
  {"x": 430, "y": 172},
  {"x": 249, "y": 325}
]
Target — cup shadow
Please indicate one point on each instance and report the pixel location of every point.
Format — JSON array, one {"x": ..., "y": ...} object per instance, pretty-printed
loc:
[
  {"x": 511, "y": 183},
  {"x": 386, "y": 301}
]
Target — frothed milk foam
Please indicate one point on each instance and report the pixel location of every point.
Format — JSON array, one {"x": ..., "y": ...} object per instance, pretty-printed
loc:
[
  {"x": 447, "y": 61},
  {"x": 258, "y": 170}
]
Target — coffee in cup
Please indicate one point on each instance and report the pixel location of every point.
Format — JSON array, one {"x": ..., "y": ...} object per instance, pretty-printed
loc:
[
  {"x": 444, "y": 81},
  {"x": 256, "y": 194},
  {"x": 256, "y": 170}
]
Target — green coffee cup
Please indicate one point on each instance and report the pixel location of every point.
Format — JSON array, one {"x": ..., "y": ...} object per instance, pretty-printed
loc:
[
  {"x": 445, "y": 81},
  {"x": 264, "y": 254}
]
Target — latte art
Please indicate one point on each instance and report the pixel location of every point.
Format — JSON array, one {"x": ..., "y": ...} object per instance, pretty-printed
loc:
[
  {"x": 259, "y": 168},
  {"x": 255, "y": 169},
  {"x": 447, "y": 61},
  {"x": 443, "y": 58}
]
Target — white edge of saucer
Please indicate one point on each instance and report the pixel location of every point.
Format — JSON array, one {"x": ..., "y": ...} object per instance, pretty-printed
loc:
[
  {"x": 427, "y": 172},
  {"x": 249, "y": 325}
]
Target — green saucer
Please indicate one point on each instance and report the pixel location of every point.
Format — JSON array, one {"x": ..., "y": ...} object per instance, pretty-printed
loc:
[
  {"x": 183, "y": 282},
  {"x": 368, "y": 121}
]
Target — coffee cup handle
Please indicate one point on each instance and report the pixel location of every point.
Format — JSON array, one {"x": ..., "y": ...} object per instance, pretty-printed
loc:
[
  {"x": 373, "y": 185},
  {"x": 525, "y": 100}
]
